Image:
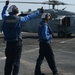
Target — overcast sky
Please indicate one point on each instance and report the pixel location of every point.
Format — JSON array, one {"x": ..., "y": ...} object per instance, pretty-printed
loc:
[{"x": 25, "y": 7}]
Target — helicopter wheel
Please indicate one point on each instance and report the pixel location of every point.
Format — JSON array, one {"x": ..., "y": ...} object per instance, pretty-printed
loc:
[
  {"x": 68, "y": 35},
  {"x": 61, "y": 34}
]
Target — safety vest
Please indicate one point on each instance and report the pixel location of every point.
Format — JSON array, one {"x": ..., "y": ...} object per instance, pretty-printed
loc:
[{"x": 11, "y": 28}]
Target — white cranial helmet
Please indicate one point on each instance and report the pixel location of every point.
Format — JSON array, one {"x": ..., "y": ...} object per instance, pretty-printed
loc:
[
  {"x": 12, "y": 8},
  {"x": 44, "y": 15}
]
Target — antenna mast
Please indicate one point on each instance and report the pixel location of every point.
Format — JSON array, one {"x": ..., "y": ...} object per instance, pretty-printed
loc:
[
  {"x": 49, "y": 4},
  {"x": 53, "y": 5}
]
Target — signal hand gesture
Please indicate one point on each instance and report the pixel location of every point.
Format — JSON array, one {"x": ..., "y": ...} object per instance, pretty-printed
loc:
[
  {"x": 41, "y": 10},
  {"x": 7, "y": 2}
]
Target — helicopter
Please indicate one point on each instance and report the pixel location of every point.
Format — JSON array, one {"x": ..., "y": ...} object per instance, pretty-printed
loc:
[{"x": 62, "y": 22}]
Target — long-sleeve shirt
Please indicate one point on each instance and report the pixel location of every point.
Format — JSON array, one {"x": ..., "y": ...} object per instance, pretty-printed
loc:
[
  {"x": 22, "y": 19},
  {"x": 15, "y": 32},
  {"x": 44, "y": 32}
]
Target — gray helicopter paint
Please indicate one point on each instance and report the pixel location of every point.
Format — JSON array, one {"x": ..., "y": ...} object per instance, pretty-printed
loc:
[{"x": 55, "y": 22}]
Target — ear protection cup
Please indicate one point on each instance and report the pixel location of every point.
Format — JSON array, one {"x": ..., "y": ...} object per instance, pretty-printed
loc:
[
  {"x": 15, "y": 11},
  {"x": 47, "y": 17}
]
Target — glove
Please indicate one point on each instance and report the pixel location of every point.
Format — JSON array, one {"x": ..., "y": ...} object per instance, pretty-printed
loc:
[
  {"x": 41, "y": 10},
  {"x": 7, "y": 2}
]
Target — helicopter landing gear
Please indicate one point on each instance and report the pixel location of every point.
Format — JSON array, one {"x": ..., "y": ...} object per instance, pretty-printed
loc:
[{"x": 61, "y": 34}]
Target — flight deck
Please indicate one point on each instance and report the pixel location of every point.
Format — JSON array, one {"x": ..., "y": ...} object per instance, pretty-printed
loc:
[{"x": 64, "y": 50}]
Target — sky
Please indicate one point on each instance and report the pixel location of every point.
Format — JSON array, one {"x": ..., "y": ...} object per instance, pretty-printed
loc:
[{"x": 25, "y": 7}]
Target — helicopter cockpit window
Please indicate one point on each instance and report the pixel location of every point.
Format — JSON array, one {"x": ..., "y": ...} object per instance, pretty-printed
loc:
[{"x": 66, "y": 21}]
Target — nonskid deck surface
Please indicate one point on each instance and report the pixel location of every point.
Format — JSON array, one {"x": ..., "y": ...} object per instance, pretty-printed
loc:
[{"x": 64, "y": 50}]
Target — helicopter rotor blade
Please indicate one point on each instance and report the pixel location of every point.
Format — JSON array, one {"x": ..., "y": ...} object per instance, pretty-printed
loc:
[
  {"x": 22, "y": 2},
  {"x": 46, "y": 2},
  {"x": 28, "y": 2}
]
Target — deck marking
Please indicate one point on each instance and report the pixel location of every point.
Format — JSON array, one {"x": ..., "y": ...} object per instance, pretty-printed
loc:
[
  {"x": 2, "y": 58},
  {"x": 31, "y": 50},
  {"x": 67, "y": 40}
]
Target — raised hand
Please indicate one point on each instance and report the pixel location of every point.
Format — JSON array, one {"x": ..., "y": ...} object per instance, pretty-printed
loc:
[{"x": 7, "y": 2}]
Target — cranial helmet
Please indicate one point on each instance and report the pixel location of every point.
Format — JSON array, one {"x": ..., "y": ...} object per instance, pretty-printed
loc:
[
  {"x": 13, "y": 9},
  {"x": 44, "y": 15}
]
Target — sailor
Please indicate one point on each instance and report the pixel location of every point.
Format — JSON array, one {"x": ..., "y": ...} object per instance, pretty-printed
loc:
[
  {"x": 11, "y": 27},
  {"x": 45, "y": 49}
]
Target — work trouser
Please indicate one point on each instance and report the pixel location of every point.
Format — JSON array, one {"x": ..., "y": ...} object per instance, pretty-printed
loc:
[
  {"x": 13, "y": 53},
  {"x": 45, "y": 51}
]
